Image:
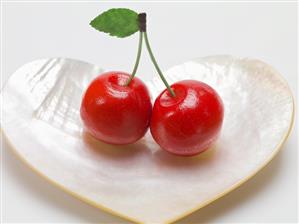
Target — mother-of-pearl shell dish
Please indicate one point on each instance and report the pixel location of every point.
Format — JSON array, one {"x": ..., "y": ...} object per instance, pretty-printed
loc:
[{"x": 141, "y": 182}]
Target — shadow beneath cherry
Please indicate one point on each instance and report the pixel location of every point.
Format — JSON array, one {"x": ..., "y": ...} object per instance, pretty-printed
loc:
[
  {"x": 165, "y": 159},
  {"x": 142, "y": 148},
  {"x": 115, "y": 152}
]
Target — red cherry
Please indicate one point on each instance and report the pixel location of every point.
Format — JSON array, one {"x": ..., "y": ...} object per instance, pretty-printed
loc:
[
  {"x": 190, "y": 122},
  {"x": 113, "y": 112}
]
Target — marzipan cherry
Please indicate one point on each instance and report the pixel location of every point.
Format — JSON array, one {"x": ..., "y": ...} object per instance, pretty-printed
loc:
[
  {"x": 114, "y": 112},
  {"x": 189, "y": 122}
]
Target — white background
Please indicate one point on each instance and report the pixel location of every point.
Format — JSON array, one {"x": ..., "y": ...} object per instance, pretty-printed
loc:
[{"x": 178, "y": 32}]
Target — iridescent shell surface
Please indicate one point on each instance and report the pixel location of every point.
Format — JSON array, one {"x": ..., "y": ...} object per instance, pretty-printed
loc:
[{"x": 141, "y": 182}]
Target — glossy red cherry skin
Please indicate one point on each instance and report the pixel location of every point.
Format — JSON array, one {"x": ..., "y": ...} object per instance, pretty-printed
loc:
[
  {"x": 190, "y": 122},
  {"x": 115, "y": 113}
]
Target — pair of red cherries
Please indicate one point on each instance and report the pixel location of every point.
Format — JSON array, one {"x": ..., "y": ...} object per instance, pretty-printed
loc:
[{"x": 185, "y": 122}]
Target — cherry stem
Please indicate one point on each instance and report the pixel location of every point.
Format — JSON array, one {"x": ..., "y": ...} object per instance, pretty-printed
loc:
[
  {"x": 156, "y": 65},
  {"x": 143, "y": 33},
  {"x": 137, "y": 59}
]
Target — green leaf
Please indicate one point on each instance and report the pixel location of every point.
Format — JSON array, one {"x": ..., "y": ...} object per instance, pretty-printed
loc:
[{"x": 117, "y": 22}]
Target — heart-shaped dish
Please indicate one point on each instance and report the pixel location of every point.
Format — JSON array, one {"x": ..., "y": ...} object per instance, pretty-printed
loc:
[{"x": 140, "y": 182}]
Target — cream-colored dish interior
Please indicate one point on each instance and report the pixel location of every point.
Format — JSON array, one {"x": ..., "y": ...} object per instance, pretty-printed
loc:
[{"x": 141, "y": 182}]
